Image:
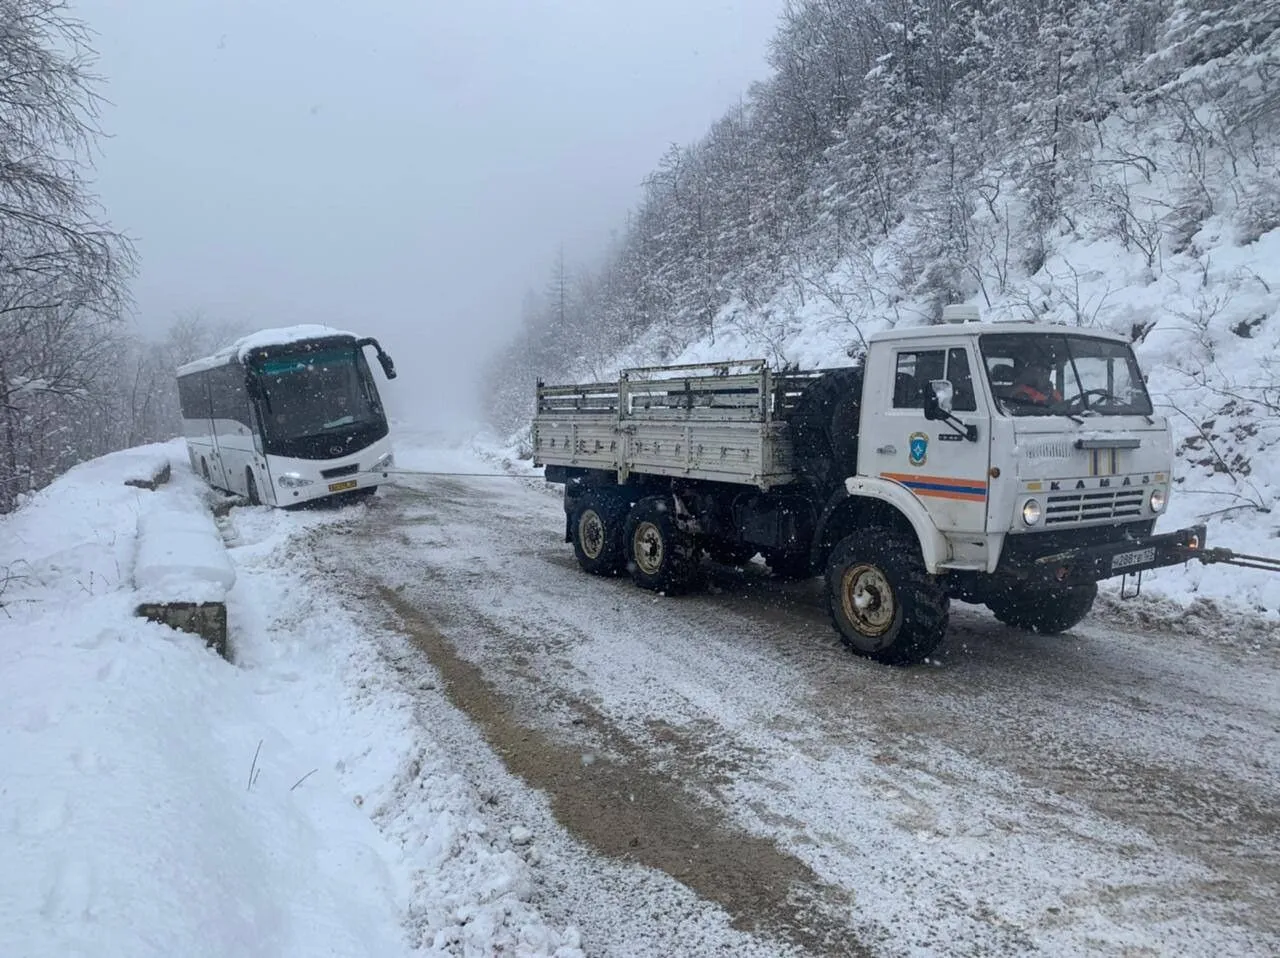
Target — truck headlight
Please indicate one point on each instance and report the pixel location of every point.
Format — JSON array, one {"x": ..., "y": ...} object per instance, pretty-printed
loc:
[
  {"x": 1158, "y": 500},
  {"x": 385, "y": 461},
  {"x": 1031, "y": 512},
  {"x": 291, "y": 480}
]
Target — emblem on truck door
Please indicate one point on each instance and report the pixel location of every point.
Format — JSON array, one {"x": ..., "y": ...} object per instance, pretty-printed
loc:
[{"x": 917, "y": 448}]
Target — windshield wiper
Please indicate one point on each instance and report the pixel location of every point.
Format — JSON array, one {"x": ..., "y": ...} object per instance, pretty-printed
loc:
[{"x": 1045, "y": 409}]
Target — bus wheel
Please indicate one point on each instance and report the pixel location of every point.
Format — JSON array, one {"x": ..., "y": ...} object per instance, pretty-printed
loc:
[{"x": 251, "y": 488}]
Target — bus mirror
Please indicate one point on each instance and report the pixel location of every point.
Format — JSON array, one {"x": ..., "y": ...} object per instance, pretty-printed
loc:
[
  {"x": 388, "y": 366},
  {"x": 384, "y": 360}
]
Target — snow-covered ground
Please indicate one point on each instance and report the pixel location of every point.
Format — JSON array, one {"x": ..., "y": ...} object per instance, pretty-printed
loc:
[{"x": 158, "y": 800}]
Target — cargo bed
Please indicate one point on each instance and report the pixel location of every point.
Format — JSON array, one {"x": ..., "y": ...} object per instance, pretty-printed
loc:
[{"x": 722, "y": 422}]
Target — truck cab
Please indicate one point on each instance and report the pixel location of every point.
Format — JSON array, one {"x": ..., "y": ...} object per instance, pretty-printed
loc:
[
  {"x": 1014, "y": 436},
  {"x": 1024, "y": 460}
]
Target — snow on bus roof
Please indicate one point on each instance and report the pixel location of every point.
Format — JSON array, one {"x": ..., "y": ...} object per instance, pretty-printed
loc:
[{"x": 243, "y": 346}]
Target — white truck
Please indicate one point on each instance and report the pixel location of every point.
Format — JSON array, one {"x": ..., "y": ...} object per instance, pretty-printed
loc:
[{"x": 1011, "y": 464}]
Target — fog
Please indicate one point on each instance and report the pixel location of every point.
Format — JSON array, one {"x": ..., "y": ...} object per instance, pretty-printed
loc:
[{"x": 402, "y": 168}]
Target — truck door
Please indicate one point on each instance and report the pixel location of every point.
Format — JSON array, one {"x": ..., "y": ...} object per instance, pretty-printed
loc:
[{"x": 945, "y": 470}]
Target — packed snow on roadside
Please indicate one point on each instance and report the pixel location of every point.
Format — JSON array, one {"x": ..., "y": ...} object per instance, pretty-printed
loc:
[{"x": 160, "y": 801}]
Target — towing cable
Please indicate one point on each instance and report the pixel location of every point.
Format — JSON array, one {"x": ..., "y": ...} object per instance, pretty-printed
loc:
[
  {"x": 1228, "y": 557},
  {"x": 467, "y": 475}
]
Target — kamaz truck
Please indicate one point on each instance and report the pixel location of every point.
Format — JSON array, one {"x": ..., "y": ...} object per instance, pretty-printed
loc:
[{"x": 1014, "y": 465}]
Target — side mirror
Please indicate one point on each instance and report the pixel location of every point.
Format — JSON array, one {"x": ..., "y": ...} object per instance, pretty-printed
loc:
[
  {"x": 938, "y": 399},
  {"x": 388, "y": 366}
]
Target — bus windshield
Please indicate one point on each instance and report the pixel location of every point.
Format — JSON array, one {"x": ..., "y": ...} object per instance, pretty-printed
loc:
[
  {"x": 317, "y": 394},
  {"x": 1062, "y": 374}
]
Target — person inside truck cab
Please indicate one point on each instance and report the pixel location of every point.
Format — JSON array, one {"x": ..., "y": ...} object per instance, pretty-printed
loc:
[{"x": 1034, "y": 385}]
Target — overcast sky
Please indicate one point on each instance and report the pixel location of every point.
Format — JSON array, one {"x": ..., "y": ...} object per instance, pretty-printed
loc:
[{"x": 402, "y": 167}]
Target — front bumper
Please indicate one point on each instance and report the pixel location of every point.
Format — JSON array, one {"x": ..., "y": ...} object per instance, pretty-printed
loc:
[
  {"x": 1095, "y": 563},
  {"x": 325, "y": 488}
]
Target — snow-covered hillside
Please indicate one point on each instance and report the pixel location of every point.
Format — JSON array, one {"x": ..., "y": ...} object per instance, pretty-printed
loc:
[
  {"x": 1098, "y": 164},
  {"x": 158, "y": 800}
]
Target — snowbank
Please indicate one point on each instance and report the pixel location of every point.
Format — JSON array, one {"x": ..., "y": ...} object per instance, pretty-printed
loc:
[
  {"x": 181, "y": 555},
  {"x": 158, "y": 801},
  {"x": 142, "y": 817},
  {"x": 155, "y": 802}
]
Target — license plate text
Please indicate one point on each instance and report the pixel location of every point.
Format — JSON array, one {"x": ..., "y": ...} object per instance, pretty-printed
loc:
[{"x": 1126, "y": 560}]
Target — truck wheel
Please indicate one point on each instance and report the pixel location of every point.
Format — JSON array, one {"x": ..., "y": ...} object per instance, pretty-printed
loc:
[
  {"x": 660, "y": 555},
  {"x": 596, "y": 529},
  {"x": 789, "y": 565},
  {"x": 1047, "y": 611},
  {"x": 883, "y": 602}
]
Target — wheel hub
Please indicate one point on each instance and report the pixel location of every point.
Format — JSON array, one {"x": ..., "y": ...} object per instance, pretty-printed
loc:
[
  {"x": 591, "y": 534},
  {"x": 867, "y": 599},
  {"x": 647, "y": 548}
]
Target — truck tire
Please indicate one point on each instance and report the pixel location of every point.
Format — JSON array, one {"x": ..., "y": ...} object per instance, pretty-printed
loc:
[
  {"x": 660, "y": 555},
  {"x": 1048, "y": 611},
  {"x": 596, "y": 527},
  {"x": 883, "y": 602}
]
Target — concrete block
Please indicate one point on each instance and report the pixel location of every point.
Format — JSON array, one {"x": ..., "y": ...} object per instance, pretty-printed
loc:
[
  {"x": 205, "y": 619},
  {"x": 158, "y": 477}
]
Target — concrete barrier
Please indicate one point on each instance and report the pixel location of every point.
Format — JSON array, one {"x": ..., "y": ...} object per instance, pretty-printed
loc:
[
  {"x": 153, "y": 479},
  {"x": 182, "y": 572}
]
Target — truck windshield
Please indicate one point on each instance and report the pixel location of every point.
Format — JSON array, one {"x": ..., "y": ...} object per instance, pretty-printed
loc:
[
  {"x": 317, "y": 394},
  {"x": 1061, "y": 374}
]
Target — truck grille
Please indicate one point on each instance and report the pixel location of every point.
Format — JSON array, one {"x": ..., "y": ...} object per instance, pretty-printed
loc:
[{"x": 1094, "y": 505}]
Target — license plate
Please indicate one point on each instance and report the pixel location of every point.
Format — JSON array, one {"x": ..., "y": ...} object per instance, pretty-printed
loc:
[
  {"x": 1126, "y": 560},
  {"x": 342, "y": 486}
]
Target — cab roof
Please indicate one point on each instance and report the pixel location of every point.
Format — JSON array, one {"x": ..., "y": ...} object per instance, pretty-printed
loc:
[{"x": 954, "y": 330}]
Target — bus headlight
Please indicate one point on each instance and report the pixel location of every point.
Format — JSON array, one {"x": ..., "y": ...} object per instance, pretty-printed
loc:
[
  {"x": 1158, "y": 500},
  {"x": 385, "y": 461},
  {"x": 1031, "y": 512},
  {"x": 291, "y": 480}
]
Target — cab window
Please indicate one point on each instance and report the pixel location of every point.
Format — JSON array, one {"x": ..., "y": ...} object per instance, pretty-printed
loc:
[{"x": 915, "y": 369}]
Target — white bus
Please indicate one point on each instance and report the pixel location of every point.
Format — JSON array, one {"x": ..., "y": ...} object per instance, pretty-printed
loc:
[{"x": 288, "y": 416}]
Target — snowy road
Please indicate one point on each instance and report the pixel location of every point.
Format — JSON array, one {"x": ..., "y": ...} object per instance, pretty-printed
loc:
[{"x": 714, "y": 774}]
